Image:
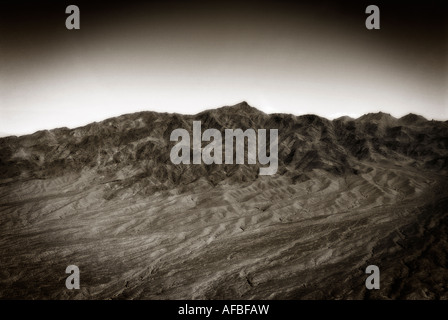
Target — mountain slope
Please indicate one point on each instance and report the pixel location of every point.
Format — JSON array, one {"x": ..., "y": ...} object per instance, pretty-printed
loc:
[{"x": 106, "y": 197}]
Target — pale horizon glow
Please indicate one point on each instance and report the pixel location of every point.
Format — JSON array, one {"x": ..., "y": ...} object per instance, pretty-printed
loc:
[{"x": 295, "y": 65}]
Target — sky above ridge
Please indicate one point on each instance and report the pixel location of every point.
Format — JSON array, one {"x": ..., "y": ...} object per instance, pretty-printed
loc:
[{"x": 187, "y": 56}]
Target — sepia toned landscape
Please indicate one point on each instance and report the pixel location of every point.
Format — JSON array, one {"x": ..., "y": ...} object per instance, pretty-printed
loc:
[{"x": 348, "y": 193}]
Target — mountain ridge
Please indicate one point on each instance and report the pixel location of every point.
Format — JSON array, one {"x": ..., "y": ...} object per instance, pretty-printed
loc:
[
  {"x": 134, "y": 138},
  {"x": 348, "y": 193},
  {"x": 242, "y": 107}
]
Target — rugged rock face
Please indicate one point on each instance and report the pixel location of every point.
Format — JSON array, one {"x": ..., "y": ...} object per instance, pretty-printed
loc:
[{"x": 106, "y": 197}]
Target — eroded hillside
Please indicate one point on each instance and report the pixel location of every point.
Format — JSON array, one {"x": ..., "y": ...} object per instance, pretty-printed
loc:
[{"x": 106, "y": 197}]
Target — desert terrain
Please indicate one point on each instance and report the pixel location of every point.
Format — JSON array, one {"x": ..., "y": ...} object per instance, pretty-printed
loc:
[{"x": 348, "y": 193}]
